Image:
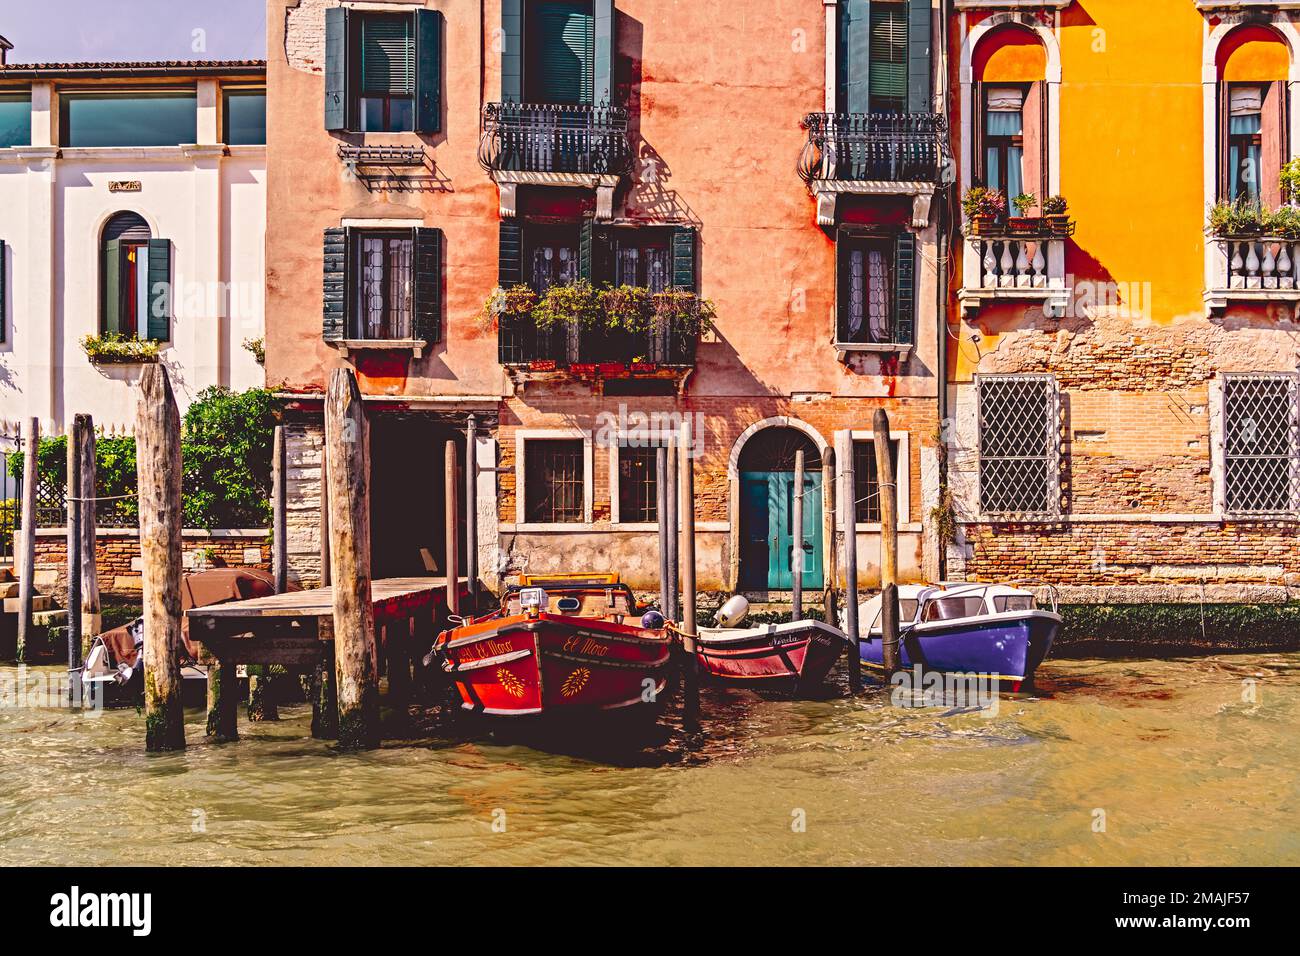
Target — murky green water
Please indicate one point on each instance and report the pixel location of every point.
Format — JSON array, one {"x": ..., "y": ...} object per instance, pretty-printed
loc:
[{"x": 1185, "y": 766}]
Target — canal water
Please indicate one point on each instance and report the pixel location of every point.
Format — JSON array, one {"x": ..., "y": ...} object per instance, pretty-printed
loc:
[{"x": 1182, "y": 761}]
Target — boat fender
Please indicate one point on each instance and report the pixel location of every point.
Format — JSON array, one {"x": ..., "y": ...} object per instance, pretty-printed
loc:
[
  {"x": 732, "y": 612},
  {"x": 652, "y": 620}
]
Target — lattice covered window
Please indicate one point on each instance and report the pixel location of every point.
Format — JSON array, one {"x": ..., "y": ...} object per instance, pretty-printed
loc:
[
  {"x": 554, "y": 477},
  {"x": 1261, "y": 444},
  {"x": 1019, "y": 445}
]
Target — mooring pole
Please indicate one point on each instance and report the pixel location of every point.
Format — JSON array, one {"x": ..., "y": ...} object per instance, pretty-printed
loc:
[
  {"x": 262, "y": 704},
  {"x": 849, "y": 523},
  {"x": 158, "y": 475},
  {"x": 72, "y": 502},
  {"x": 471, "y": 512},
  {"x": 347, "y": 440},
  {"x": 888, "y": 544},
  {"x": 223, "y": 702},
  {"x": 324, "y": 681},
  {"x": 91, "y": 617},
  {"x": 452, "y": 538},
  {"x": 27, "y": 557},
  {"x": 662, "y": 482},
  {"x": 686, "y": 514},
  {"x": 671, "y": 610},
  {"x": 832, "y": 576},
  {"x": 796, "y": 549}
]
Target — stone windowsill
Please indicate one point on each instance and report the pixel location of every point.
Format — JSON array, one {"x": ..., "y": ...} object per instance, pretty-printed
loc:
[
  {"x": 903, "y": 351},
  {"x": 1055, "y": 299},
  {"x": 415, "y": 346}
]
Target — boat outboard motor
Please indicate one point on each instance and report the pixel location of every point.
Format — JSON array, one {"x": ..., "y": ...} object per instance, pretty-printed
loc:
[
  {"x": 652, "y": 620},
  {"x": 732, "y": 612}
]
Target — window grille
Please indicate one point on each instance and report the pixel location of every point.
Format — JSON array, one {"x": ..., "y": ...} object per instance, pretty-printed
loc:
[
  {"x": 1019, "y": 445},
  {"x": 554, "y": 481},
  {"x": 1261, "y": 444},
  {"x": 866, "y": 480},
  {"x": 638, "y": 484}
]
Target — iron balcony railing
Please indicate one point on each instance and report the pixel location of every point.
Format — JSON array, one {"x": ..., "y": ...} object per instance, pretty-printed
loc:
[
  {"x": 554, "y": 138},
  {"x": 876, "y": 147},
  {"x": 521, "y": 343}
]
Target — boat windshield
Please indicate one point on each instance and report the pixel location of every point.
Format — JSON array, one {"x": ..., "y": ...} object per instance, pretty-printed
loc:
[
  {"x": 950, "y": 608},
  {"x": 581, "y": 602},
  {"x": 1013, "y": 602}
]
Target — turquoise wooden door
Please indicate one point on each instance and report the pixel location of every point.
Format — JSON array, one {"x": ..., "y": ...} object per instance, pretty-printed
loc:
[{"x": 767, "y": 530}]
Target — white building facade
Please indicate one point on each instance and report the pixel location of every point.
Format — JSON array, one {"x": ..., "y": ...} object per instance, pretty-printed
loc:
[{"x": 132, "y": 206}]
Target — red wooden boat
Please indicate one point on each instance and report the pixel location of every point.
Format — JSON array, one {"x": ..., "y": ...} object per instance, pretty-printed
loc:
[
  {"x": 557, "y": 643},
  {"x": 798, "y": 653}
]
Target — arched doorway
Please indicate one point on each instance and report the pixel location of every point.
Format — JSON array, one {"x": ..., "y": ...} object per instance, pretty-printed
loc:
[{"x": 766, "y": 472}]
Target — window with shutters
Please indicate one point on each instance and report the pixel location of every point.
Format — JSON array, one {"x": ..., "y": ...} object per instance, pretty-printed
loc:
[
  {"x": 387, "y": 90},
  {"x": 875, "y": 288},
  {"x": 560, "y": 52},
  {"x": 383, "y": 71},
  {"x": 383, "y": 286},
  {"x": 887, "y": 66},
  {"x": 1019, "y": 445},
  {"x": 135, "y": 280},
  {"x": 642, "y": 258},
  {"x": 1253, "y": 123},
  {"x": 1261, "y": 445},
  {"x": 554, "y": 481},
  {"x": 384, "y": 273}
]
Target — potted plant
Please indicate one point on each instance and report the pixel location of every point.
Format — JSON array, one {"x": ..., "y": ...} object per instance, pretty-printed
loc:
[
  {"x": 1282, "y": 223},
  {"x": 984, "y": 208},
  {"x": 1289, "y": 179},
  {"x": 1023, "y": 225},
  {"x": 1240, "y": 219},
  {"x": 515, "y": 302},
  {"x": 114, "y": 348},
  {"x": 1056, "y": 211}
]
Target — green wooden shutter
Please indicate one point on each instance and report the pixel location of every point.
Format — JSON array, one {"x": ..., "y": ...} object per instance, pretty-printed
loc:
[
  {"x": 427, "y": 307},
  {"x": 428, "y": 72},
  {"x": 159, "y": 322},
  {"x": 919, "y": 61},
  {"x": 336, "y": 68},
  {"x": 904, "y": 289},
  {"x": 685, "y": 276},
  {"x": 3, "y": 312},
  {"x": 594, "y": 247},
  {"x": 604, "y": 53},
  {"x": 566, "y": 39},
  {"x": 336, "y": 285},
  {"x": 388, "y": 55},
  {"x": 855, "y": 53},
  {"x": 112, "y": 286},
  {"x": 888, "y": 57},
  {"x": 512, "y": 46},
  {"x": 510, "y": 259}
]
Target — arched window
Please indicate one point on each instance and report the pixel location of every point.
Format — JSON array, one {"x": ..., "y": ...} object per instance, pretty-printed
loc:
[
  {"x": 1253, "y": 62},
  {"x": 1010, "y": 67},
  {"x": 135, "y": 284}
]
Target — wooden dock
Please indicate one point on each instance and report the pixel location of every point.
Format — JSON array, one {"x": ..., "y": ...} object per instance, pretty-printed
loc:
[{"x": 289, "y": 628}]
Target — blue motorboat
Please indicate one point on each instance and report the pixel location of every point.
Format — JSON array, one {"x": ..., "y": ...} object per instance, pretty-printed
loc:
[{"x": 995, "y": 631}]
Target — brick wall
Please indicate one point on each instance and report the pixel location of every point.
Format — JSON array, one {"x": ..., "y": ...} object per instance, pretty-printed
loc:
[{"x": 117, "y": 557}]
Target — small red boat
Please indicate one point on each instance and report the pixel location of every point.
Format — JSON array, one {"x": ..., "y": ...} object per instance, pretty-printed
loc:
[
  {"x": 557, "y": 643},
  {"x": 798, "y": 653}
]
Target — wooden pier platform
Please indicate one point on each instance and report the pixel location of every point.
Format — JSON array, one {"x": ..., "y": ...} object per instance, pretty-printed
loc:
[{"x": 289, "y": 628}]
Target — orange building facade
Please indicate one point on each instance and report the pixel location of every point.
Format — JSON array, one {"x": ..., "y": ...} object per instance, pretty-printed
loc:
[
  {"x": 1123, "y": 397},
  {"x": 780, "y": 163}
]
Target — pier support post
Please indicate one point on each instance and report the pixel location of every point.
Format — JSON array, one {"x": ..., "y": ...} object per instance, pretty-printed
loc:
[
  {"x": 262, "y": 683},
  {"x": 223, "y": 702},
  {"x": 451, "y": 537},
  {"x": 27, "y": 557},
  {"x": 73, "y": 507},
  {"x": 796, "y": 549},
  {"x": 832, "y": 577},
  {"x": 325, "y": 697},
  {"x": 686, "y": 514},
  {"x": 671, "y": 609},
  {"x": 471, "y": 513},
  {"x": 92, "y": 621},
  {"x": 848, "y": 511},
  {"x": 662, "y": 483},
  {"x": 888, "y": 544},
  {"x": 158, "y": 473},
  {"x": 347, "y": 441}
]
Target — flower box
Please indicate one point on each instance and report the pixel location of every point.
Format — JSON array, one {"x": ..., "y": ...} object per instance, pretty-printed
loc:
[
  {"x": 542, "y": 365},
  {"x": 115, "y": 349},
  {"x": 613, "y": 369},
  {"x": 583, "y": 369}
]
